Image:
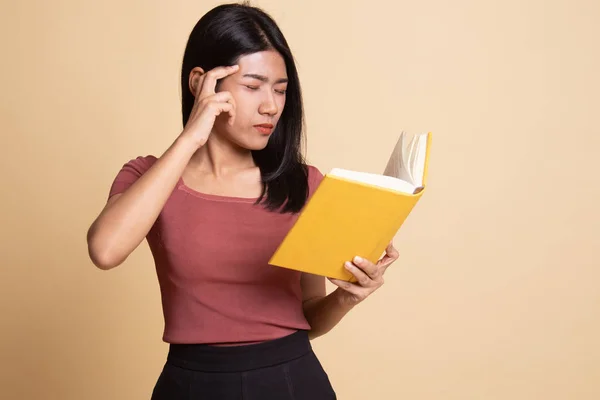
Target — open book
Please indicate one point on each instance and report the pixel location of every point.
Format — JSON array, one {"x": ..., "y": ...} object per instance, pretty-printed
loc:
[
  {"x": 405, "y": 169},
  {"x": 355, "y": 213}
]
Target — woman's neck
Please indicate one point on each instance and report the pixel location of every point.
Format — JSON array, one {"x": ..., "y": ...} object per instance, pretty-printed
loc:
[{"x": 220, "y": 157}]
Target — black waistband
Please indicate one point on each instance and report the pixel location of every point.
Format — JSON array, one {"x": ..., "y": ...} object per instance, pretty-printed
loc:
[{"x": 202, "y": 357}]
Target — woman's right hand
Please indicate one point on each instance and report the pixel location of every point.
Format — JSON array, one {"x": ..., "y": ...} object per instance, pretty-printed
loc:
[
  {"x": 208, "y": 105},
  {"x": 128, "y": 217}
]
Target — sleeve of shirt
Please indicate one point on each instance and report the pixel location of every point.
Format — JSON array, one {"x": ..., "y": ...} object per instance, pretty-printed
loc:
[
  {"x": 314, "y": 179},
  {"x": 129, "y": 173}
]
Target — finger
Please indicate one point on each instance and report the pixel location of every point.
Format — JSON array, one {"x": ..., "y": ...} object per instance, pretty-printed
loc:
[
  {"x": 225, "y": 97},
  {"x": 367, "y": 267},
  {"x": 391, "y": 250},
  {"x": 221, "y": 97},
  {"x": 196, "y": 94},
  {"x": 210, "y": 81},
  {"x": 198, "y": 87},
  {"x": 347, "y": 286},
  {"x": 233, "y": 111},
  {"x": 220, "y": 108},
  {"x": 362, "y": 278},
  {"x": 391, "y": 255}
]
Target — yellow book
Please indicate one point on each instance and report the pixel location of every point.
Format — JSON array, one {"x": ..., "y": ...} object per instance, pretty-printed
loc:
[{"x": 356, "y": 213}]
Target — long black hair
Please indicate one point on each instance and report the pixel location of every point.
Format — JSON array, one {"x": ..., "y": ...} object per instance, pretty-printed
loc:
[{"x": 220, "y": 38}]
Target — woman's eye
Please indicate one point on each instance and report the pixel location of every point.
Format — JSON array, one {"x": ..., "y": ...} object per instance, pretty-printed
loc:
[
  {"x": 252, "y": 87},
  {"x": 281, "y": 91}
]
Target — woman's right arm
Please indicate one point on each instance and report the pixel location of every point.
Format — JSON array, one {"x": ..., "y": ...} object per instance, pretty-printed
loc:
[{"x": 128, "y": 217}]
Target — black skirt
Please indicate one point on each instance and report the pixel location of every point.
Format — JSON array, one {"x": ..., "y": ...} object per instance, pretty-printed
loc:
[{"x": 281, "y": 369}]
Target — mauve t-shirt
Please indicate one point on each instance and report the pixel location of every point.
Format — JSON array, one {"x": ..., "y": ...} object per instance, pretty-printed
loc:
[{"x": 211, "y": 257}]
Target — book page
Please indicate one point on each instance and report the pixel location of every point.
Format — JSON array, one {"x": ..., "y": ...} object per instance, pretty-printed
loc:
[
  {"x": 417, "y": 167},
  {"x": 396, "y": 166},
  {"x": 383, "y": 181},
  {"x": 411, "y": 153},
  {"x": 404, "y": 170}
]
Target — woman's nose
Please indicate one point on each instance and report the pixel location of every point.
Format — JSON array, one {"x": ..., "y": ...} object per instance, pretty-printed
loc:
[{"x": 268, "y": 106}]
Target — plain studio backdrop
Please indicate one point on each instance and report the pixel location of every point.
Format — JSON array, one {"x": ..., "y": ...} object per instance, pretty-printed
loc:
[{"x": 496, "y": 294}]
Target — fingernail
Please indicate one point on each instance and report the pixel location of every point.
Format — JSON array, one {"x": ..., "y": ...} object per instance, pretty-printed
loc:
[
  {"x": 348, "y": 265},
  {"x": 358, "y": 259}
]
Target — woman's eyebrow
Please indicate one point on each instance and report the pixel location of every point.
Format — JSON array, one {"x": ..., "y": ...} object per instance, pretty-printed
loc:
[{"x": 264, "y": 78}]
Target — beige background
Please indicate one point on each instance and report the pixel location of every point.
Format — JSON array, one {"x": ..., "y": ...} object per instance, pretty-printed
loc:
[{"x": 496, "y": 294}]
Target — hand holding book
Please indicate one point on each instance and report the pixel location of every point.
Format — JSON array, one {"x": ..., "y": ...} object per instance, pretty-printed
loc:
[{"x": 368, "y": 276}]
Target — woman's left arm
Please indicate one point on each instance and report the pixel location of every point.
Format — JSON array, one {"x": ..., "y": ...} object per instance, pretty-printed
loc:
[{"x": 322, "y": 311}]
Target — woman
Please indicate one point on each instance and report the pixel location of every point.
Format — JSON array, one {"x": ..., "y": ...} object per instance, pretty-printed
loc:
[{"x": 213, "y": 208}]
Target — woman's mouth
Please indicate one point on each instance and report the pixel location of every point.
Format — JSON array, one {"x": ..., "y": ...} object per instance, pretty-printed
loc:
[{"x": 265, "y": 129}]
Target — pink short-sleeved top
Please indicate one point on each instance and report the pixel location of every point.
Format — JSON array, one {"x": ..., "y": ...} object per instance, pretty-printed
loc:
[{"x": 211, "y": 257}]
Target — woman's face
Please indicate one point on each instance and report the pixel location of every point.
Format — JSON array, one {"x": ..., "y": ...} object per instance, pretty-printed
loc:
[{"x": 258, "y": 89}]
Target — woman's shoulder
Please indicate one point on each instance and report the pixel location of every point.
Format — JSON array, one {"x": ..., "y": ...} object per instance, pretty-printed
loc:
[
  {"x": 314, "y": 177},
  {"x": 313, "y": 171},
  {"x": 146, "y": 160},
  {"x": 130, "y": 172},
  {"x": 140, "y": 164}
]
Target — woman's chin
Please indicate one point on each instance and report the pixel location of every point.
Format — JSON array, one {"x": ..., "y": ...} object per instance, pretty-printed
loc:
[
  {"x": 258, "y": 145},
  {"x": 253, "y": 143}
]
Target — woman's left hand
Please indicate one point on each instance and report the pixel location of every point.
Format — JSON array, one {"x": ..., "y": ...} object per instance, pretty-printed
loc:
[{"x": 369, "y": 277}]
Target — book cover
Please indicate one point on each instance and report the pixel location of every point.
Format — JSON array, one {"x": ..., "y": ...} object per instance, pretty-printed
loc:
[{"x": 353, "y": 213}]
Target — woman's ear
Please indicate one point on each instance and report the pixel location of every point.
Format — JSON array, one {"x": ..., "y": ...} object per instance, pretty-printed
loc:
[{"x": 195, "y": 79}]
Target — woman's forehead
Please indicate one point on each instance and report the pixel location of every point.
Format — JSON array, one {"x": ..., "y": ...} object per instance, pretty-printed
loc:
[{"x": 268, "y": 63}]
